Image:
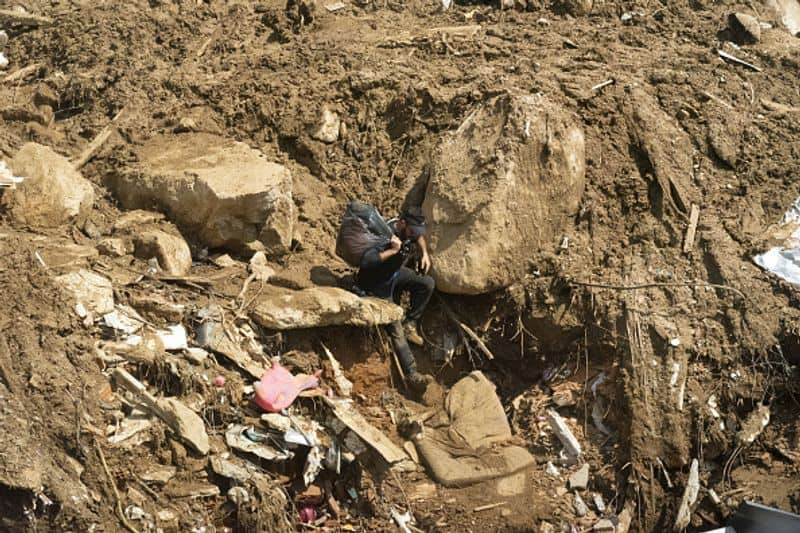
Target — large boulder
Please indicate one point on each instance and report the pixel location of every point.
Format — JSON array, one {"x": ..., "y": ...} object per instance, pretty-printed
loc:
[
  {"x": 219, "y": 191},
  {"x": 52, "y": 192},
  {"x": 501, "y": 187},
  {"x": 317, "y": 307}
]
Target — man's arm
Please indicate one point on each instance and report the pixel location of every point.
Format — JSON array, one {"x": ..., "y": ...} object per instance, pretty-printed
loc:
[
  {"x": 373, "y": 257},
  {"x": 425, "y": 260}
]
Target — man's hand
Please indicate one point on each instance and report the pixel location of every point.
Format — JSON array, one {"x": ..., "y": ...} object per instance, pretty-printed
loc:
[
  {"x": 394, "y": 247},
  {"x": 425, "y": 263}
]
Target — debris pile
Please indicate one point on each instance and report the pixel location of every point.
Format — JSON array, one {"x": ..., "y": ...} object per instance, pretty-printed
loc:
[{"x": 614, "y": 341}]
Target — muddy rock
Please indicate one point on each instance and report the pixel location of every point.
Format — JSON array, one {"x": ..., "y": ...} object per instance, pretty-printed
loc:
[
  {"x": 327, "y": 127},
  {"x": 171, "y": 251},
  {"x": 505, "y": 183},
  {"x": 577, "y": 8},
  {"x": 93, "y": 291},
  {"x": 114, "y": 247},
  {"x": 222, "y": 192},
  {"x": 663, "y": 151},
  {"x": 579, "y": 480},
  {"x": 283, "y": 309},
  {"x": 746, "y": 28},
  {"x": 53, "y": 191},
  {"x": 722, "y": 144}
]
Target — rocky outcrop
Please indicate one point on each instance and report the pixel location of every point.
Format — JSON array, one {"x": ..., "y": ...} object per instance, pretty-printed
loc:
[
  {"x": 282, "y": 309},
  {"x": 52, "y": 192},
  {"x": 502, "y": 187},
  {"x": 221, "y": 192}
]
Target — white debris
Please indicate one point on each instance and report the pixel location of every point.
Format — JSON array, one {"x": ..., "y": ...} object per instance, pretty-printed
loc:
[
  {"x": 599, "y": 380},
  {"x": 173, "y": 338},
  {"x": 676, "y": 372},
  {"x": 123, "y": 319},
  {"x": 7, "y": 179},
  {"x": 402, "y": 520},
  {"x": 238, "y": 495},
  {"x": 552, "y": 470},
  {"x": 345, "y": 385},
  {"x": 783, "y": 260},
  {"x": 689, "y": 497},
  {"x": 580, "y": 506},
  {"x": 564, "y": 434},
  {"x": 313, "y": 465}
]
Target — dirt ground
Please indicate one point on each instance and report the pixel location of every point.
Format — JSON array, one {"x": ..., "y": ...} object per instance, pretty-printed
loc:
[{"x": 688, "y": 344}]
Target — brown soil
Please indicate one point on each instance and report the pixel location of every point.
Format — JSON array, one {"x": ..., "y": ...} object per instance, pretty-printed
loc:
[{"x": 260, "y": 72}]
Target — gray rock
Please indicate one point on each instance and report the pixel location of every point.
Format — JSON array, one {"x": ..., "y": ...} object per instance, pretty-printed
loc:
[
  {"x": 746, "y": 28},
  {"x": 580, "y": 506},
  {"x": 283, "y": 309},
  {"x": 579, "y": 479}
]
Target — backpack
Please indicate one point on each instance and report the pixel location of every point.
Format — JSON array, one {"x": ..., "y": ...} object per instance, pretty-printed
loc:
[{"x": 361, "y": 229}]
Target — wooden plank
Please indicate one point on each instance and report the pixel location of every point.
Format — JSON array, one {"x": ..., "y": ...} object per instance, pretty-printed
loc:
[
  {"x": 97, "y": 142},
  {"x": 23, "y": 18},
  {"x": 344, "y": 411},
  {"x": 22, "y": 73},
  {"x": 688, "y": 241}
]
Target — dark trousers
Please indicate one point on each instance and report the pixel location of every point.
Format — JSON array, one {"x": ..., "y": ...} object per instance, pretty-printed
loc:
[{"x": 420, "y": 288}]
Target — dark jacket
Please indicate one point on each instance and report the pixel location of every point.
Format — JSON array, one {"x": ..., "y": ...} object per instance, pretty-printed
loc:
[{"x": 376, "y": 277}]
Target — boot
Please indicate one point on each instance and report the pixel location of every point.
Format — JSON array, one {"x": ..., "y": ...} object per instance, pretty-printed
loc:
[{"x": 412, "y": 333}]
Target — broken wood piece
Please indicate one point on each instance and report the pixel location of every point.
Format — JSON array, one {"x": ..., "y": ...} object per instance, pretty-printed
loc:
[
  {"x": 694, "y": 217},
  {"x": 344, "y": 384},
  {"x": 24, "y": 18},
  {"x": 734, "y": 59},
  {"x": 717, "y": 99},
  {"x": 22, "y": 73},
  {"x": 564, "y": 434},
  {"x": 343, "y": 410},
  {"x": 488, "y": 506},
  {"x": 186, "y": 424},
  {"x": 466, "y": 329},
  {"x": 97, "y": 142},
  {"x": 603, "y": 84},
  {"x": 689, "y": 497},
  {"x": 460, "y": 31}
]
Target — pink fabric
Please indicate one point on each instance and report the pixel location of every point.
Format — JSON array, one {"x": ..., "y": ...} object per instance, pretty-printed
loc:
[{"x": 278, "y": 387}]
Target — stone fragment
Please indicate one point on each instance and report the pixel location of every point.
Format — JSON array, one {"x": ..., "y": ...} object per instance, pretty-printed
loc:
[
  {"x": 327, "y": 127},
  {"x": 579, "y": 479},
  {"x": 186, "y": 423},
  {"x": 504, "y": 184},
  {"x": 171, "y": 251},
  {"x": 90, "y": 289},
  {"x": 746, "y": 28},
  {"x": 580, "y": 506},
  {"x": 219, "y": 191},
  {"x": 53, "y": 191},
  {"x": 114, "y": 247},
  {"x": 283, "y": 309}
]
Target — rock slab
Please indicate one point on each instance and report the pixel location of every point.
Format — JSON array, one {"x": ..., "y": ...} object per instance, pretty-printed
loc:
[
  {"x": 579, "y": 480},
  {"x": 219, "y": 191},
  {"x": 502, "y": 187},
  {"x": 283, "y": 309},
  {"x": 53, "y": 191}
]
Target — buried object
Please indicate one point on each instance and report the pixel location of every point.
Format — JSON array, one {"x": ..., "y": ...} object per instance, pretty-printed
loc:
[{"x": 469, "y": 446}]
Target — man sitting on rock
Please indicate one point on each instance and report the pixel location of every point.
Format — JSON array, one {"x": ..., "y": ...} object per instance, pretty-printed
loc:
[{"x": 383, "y": 273}]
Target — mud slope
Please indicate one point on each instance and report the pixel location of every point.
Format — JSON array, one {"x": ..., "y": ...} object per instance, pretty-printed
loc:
[{"x": 655, "y": 350}]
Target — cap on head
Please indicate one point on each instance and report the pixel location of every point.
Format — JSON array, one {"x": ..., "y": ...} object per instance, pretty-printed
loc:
[{"x": 414, "y": 219}]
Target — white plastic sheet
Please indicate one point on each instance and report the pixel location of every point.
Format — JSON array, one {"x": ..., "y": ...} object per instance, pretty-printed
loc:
[{"x": 783, "y": 259}]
